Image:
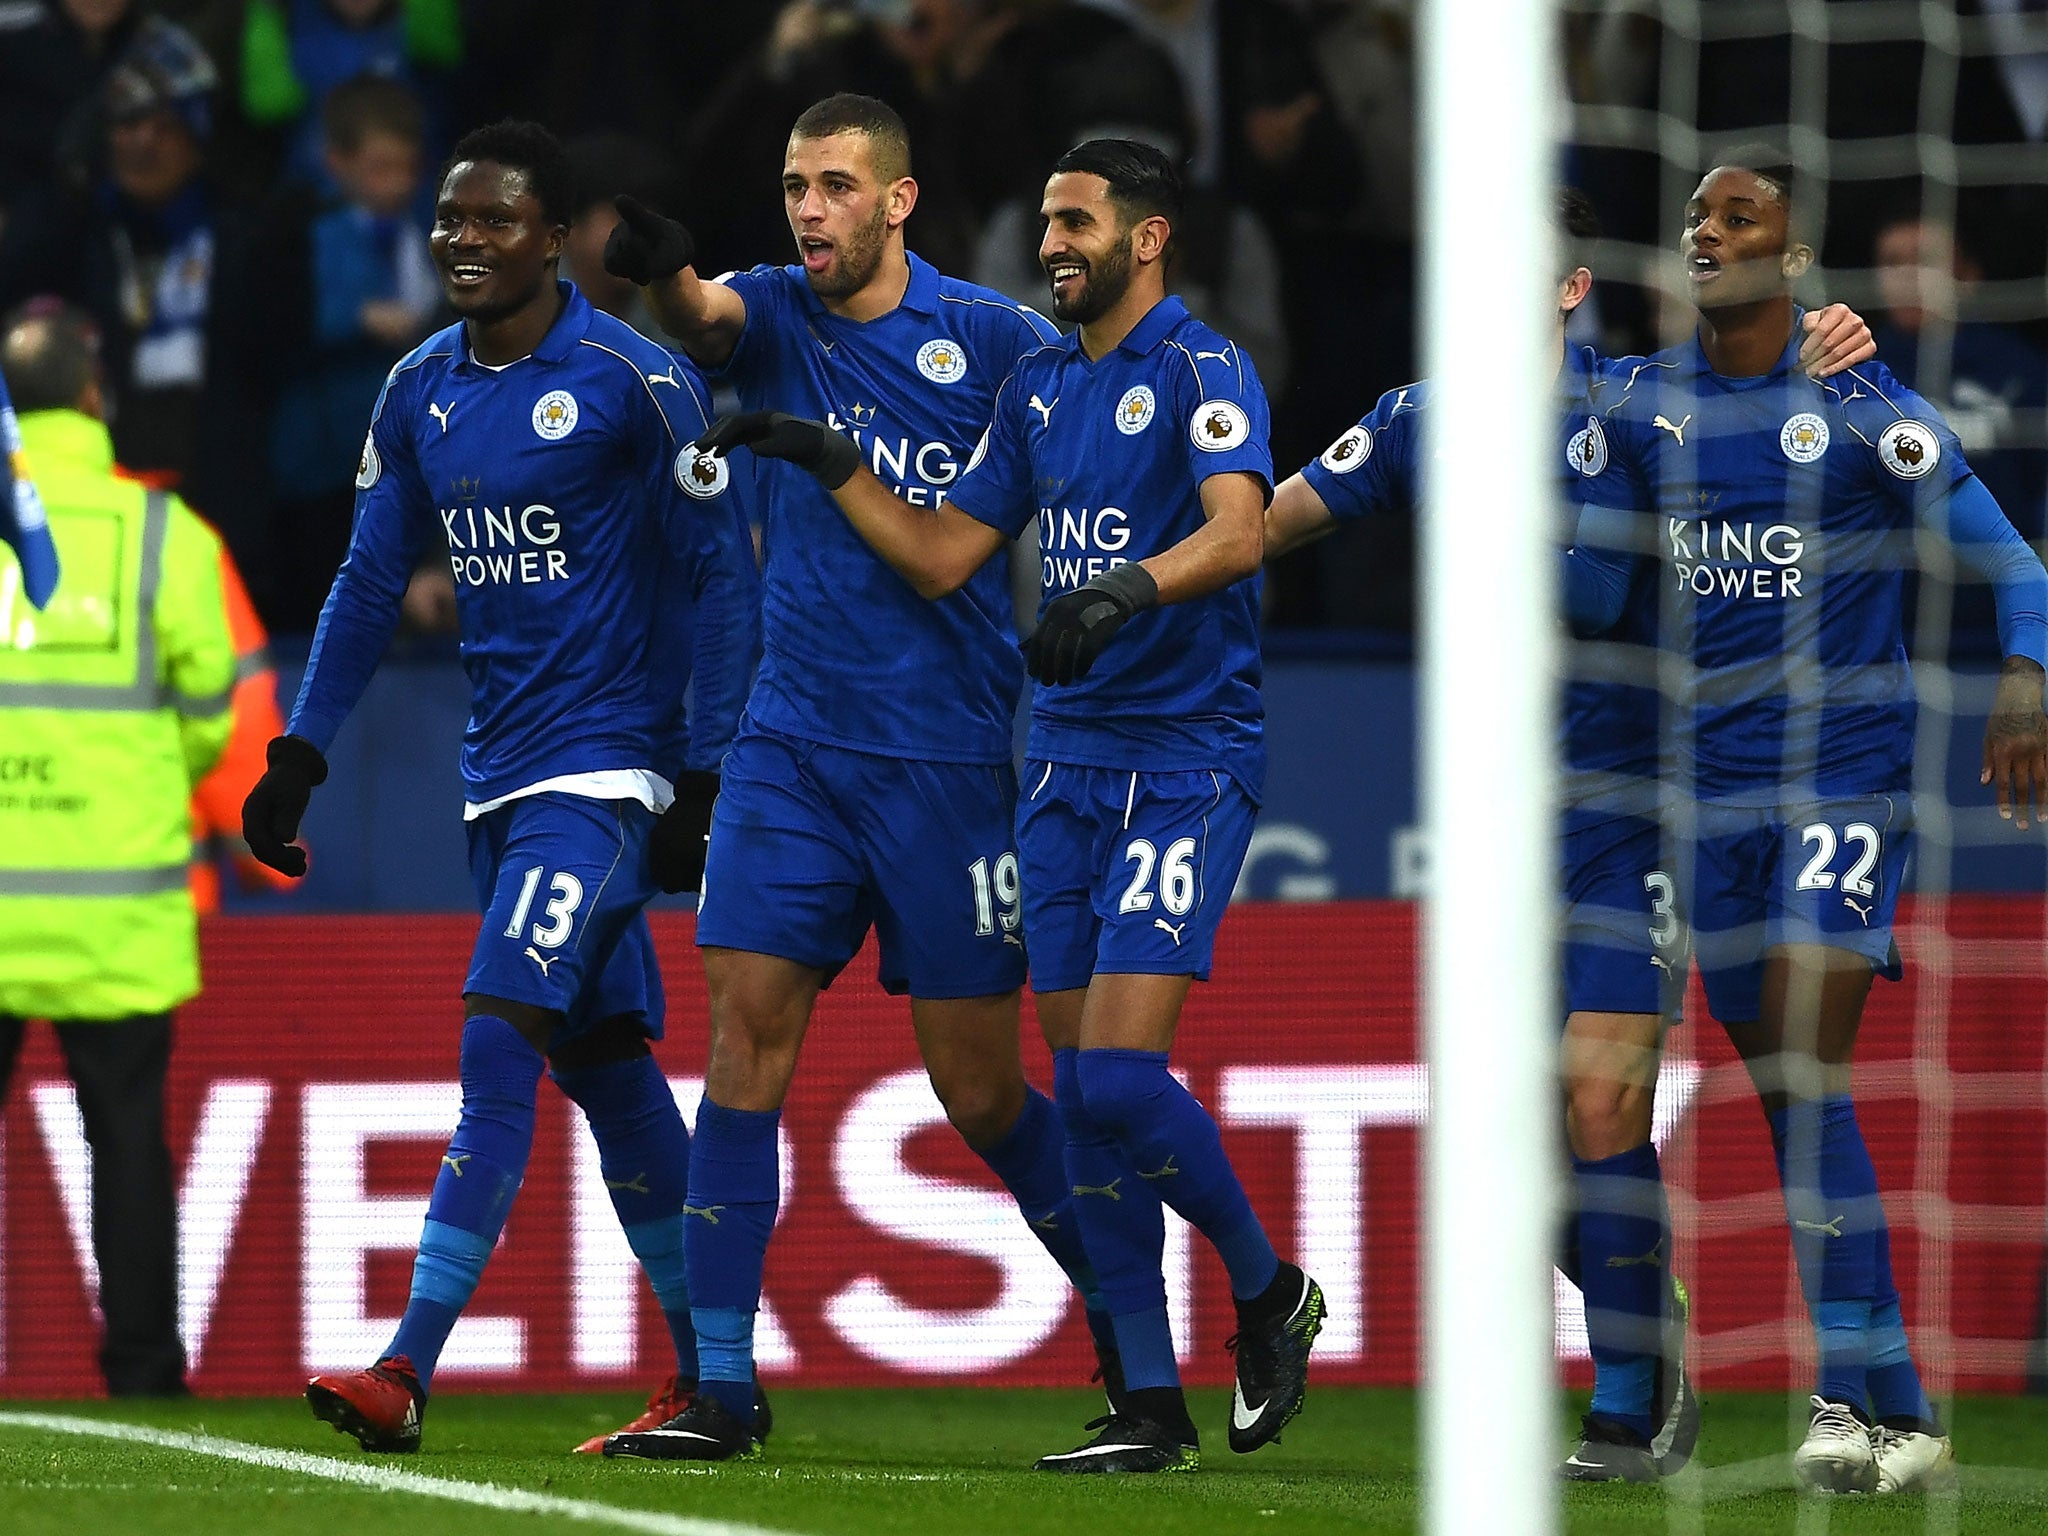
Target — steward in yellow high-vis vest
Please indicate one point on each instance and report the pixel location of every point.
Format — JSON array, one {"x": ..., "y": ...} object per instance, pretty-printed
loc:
[{"x": 113, "y": 704}]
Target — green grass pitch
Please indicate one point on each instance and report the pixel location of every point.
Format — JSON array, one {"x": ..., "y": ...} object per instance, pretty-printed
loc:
[{"x": 929, "y": 1463}]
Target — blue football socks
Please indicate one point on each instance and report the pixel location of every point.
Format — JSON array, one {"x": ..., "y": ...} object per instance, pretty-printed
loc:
[
  {"x": 735, "y": 1185},
  {"x": 1837, "y": 1221},
  {"x": 480, "y": 1174},
  {"x": 1124, "y": 1227},
  {"x": 1896, "y": 1395},
  {"x": 1624, "y": 1256},
  {"x": 1172, "y": 1144},
  {"x": 1031, "y": 1162},
  {"x": 643, "y": 1151}
]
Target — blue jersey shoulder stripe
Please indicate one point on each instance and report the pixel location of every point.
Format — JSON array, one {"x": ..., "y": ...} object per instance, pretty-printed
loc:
[
  {"x": 1229, "y": 357},
  {"x": 403, "y": 365},
  {"x": 1040, "y": 326},
  {"x": 641, "y": 375}
]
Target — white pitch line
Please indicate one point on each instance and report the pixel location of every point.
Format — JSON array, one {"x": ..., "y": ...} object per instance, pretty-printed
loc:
[{"x": 388, "y": 1479}]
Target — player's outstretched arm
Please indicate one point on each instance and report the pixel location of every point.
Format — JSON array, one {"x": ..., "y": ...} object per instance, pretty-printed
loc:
[
  {"x": 1297, "y": 516},
  {"x": 1836, "y": 338},
  {"x": 936, "y": 551},
  {"x": 657, "y": 252}
]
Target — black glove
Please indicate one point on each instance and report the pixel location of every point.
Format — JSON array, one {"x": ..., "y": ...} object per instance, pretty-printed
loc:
[
  {"x": 270, "y": 816},
  {"x": 829, "y": 456},
  {"x": 1077, "y": 625},
  {"x": 675, "y": 850},
  {"x": 644, "y": 246}
]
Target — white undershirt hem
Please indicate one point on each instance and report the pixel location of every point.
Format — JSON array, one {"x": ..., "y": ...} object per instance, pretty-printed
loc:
[{"x": 650, "y": 789}]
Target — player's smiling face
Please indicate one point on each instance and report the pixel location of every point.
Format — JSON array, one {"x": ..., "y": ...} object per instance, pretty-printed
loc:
[
  {"x": 841, "y": 210},
  {"x": 492, "y": 245},
  {"x": 1086, "y": 251},
  {"x": 1737, "y": 245}
]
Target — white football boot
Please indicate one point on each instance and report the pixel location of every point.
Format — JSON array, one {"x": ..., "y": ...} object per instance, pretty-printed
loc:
[
  {"x": 1836, "y": 1456},
  {"x": 1911, "y": 1462}
]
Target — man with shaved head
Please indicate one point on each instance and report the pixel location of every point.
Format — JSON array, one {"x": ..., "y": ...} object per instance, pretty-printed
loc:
[{"x": 871, "y": 783}]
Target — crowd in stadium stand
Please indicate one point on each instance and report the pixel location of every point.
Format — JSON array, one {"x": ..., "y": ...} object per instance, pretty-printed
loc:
[{"x": 239, "y": 191}]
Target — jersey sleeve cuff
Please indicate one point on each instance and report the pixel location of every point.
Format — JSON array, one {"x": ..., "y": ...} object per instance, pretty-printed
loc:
[
  {"x": 2029, "y": 638},
  {"x": 319, "y": 729},
  {"x": 1007, "y": 529}
]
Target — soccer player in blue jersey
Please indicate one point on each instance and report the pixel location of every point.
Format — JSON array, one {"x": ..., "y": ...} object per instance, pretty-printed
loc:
[
  {"x": 1138, "y": 446},
  {"x": 1623, "y": 943},
  {"x": 1782, "y": 511},
  {"x": 598, "y": 569},
  {"x": 871, "y": 782}
]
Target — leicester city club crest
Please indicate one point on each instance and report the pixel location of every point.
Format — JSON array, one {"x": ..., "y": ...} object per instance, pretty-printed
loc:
[
  {"x": 554, "y": 414},
  {"x": 942, "y": 361},
  {"x": 1804, "y": 438}
]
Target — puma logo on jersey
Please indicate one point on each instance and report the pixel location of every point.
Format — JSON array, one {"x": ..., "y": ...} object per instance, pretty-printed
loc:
[
  {"x": 668, "y": 378},
  {"x": 638, "y": 1185},
  {"x": 1221, "y": 357},
  {"x": 1165, "y": 1171},
  {"x": 1858, "y": 908},
  {"x": 1172, "y": 930},
  {"x": 455, "y": 1160},
  {"x": 1677, "y": 430},
  {"x": 1108, "y": 1190},
  {"x": 540, "y": 960},
  {"x": 1660, "y": 962},
  {"x": 1400, "y": 401},
  {"x": 1652, "y": 1259},
  {"x": 1044, "y": 410},
  {"x": 441, "y": 414},
  {"x": 708, "y": 1212},
  {"x": 1011, "y": 938},
  {"x": 1047, "y": 1223},
  {"x": 1832, "y": 1227}
]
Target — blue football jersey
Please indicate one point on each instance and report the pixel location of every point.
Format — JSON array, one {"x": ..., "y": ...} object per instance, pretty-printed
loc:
[
  {"x": 1608, "y": 724},
  {"x": 600, "y": 563},
  {"x": 852, "y": 656},
  {"x": 1109, "y": 457},
  {"x": 1782, "y": 512}
]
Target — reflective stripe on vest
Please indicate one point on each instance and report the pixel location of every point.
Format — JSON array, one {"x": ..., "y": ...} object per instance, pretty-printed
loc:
[
  {"x": 145, "y": 692},
  {"x": 148, "y": 881}
]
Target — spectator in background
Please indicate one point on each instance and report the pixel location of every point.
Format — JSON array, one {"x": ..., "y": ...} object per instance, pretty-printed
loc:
[
  {"x": 608, "y": 165},
  {"x": 145, "y": 244},
  {"x": 97, "y": 932},
  {"x": 913, "y": 54},
  {"x": 1988, "y": 380},
  {"x": 295, "y": 52},
  {"x": 1224, "y": 265},
  {"x": 54, "y": 57},
  {"x": 348, "y": 289}
]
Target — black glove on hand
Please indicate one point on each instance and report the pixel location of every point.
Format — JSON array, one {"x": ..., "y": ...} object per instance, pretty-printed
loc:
[
  {"x": 643, "y": 246},
  {"x": 676, "y": 848},
  {"x": 270, "y": 816},
  {"x": 1077, "y": 625},
  {"x": 829, "y": 456}
]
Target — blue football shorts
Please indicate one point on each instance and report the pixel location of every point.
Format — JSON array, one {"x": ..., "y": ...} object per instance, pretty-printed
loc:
[
  {"x": 811, "y": 845},
  {"x": 1817, "y": 872},
  {"x": 564, "y": 883},
  {"x": 1625, "y": 946},
  {"x": 1127, "y": 872}
]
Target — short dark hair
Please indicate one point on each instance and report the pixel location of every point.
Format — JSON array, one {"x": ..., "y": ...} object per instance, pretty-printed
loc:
[
  {"x": 1142, "y": 180},
  {"x": 49, "y": 353},
  {"x": 1578, "y": 230},
  {"x": 887, "y": 135},
  {"x": 369, "y": 104},
  {"x": 528, "y": 147},
  {"x": 1769, "y": 163}
]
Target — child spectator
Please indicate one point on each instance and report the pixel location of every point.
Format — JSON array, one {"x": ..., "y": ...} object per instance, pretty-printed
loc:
[{"x": 354, "y": 291}]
